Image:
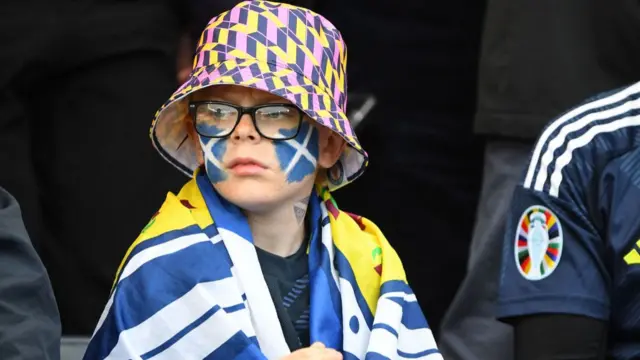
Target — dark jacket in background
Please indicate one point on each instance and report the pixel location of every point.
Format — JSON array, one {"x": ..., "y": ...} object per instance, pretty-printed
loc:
[
  {"x": 541, "y": 57},
  {"x": 80, "y": 82},
  {"x": 29, "y": 320}
]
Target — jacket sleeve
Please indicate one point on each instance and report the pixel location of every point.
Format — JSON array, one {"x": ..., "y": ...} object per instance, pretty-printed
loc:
[
  {"x": 565, "y": 337},
  {"x": 29, "y": 320}
]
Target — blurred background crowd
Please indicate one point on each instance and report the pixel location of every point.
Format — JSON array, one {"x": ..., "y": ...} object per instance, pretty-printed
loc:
[{"x": 462, "y": 90}]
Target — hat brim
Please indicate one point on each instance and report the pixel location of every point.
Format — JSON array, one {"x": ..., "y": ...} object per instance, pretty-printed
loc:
[{"x": 169, "y": 133}]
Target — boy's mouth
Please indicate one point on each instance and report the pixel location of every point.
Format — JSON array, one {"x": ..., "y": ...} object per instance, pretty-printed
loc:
[{"x": 244, "y": 166}]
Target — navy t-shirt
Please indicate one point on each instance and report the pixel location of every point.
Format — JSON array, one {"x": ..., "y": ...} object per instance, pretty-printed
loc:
[
  {"x": 572, "y": 242},
  {"x": 288, "y": 282}
]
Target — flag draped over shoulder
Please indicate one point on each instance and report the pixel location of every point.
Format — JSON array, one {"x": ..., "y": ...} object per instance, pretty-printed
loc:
[{"x": 191, "y": 287}]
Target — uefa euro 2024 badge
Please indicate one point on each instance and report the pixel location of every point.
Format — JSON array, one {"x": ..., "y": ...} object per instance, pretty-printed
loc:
[{"x": 538, "y": 243}]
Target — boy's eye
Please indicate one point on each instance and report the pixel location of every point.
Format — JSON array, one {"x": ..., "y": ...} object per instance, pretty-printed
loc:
[
  {"x": 277, "y": 113},
  {"x": 221, "y": 111}
]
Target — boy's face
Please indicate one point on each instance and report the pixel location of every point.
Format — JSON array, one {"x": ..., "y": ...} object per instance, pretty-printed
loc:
[{"x": 256, "y": 173}]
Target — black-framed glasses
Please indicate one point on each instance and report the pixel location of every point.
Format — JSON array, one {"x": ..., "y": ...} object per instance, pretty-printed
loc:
[{"x": 218, "y": 119}]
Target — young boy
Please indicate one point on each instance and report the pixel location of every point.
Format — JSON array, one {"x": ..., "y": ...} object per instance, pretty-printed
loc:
[{"x": 253, "y": 259}]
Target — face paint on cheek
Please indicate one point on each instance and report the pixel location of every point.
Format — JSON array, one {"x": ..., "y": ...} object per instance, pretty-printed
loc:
[
  {"x": 214, "y": 150},
  {"x": 298, "y": 156}
]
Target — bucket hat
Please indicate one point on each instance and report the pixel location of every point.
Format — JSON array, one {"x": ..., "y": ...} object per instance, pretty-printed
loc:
[{"x": 289, "y": 51}]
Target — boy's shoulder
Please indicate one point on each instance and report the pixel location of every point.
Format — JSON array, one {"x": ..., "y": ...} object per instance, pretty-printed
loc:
[
  {"x": 362, "y": 241},
  {"x": 178, "y": 212},
  {"x": 357, "y": 228}
]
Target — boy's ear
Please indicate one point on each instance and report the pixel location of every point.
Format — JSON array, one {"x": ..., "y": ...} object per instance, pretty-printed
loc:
[{"x": 331, "y": 146}]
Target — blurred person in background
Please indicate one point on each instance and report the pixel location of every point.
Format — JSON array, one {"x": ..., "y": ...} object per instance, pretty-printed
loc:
[
  {"x": 29, "y": 320},
  {"x": 77, "y": 80},
  {"x": 569, "y": 255},
  {"x": 538, "y": 59}
]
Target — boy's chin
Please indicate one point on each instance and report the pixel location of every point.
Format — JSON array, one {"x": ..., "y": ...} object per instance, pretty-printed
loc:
[
  {"x": 251, "y": 196},
  {"x": 259, "y": 196}
]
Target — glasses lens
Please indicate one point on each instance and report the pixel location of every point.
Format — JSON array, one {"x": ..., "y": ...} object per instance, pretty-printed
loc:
[
  {"x": 215, "y": 120},
  {"x": 278, "y": 121}
]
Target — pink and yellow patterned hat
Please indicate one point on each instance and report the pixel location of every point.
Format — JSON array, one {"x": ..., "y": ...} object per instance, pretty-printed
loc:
[{"x": 286, "y": 50}]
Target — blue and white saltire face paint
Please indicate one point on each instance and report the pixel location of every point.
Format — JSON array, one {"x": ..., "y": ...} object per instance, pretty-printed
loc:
[
  {"x": 213, "y": 150},
  {"x": 298, "y": 156}
]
